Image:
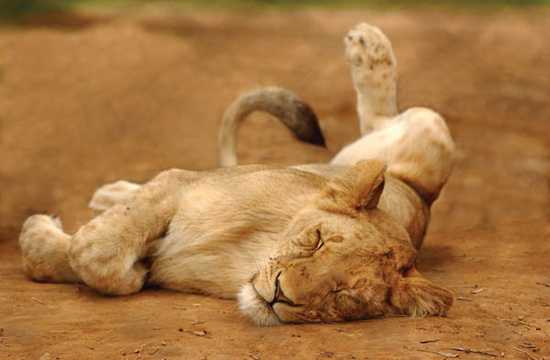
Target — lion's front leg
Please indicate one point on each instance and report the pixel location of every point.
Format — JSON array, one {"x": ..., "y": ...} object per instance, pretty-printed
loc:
[
  {"x": 107, "y": 253},
  {"x": 45, "y": 250},
  {"x": 112, "y": 194}
]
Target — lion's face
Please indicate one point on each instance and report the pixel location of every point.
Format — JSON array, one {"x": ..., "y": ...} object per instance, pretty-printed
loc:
[{"x": 343, "y": 259}]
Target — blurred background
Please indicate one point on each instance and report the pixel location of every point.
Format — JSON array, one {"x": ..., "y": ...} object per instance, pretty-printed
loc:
[{"x": 95, "y": 91}]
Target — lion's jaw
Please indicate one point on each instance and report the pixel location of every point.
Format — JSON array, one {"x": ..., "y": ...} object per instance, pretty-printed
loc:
[{"x": 255, "y": 307}]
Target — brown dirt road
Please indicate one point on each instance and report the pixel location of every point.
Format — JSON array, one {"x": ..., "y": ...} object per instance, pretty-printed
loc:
[{"x": 91, "y": 100}]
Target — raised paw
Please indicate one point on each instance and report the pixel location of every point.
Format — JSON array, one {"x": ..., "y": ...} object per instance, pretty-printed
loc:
[
  {"x": 112, "y": 194},
  {"x": 368, "y": 47}
]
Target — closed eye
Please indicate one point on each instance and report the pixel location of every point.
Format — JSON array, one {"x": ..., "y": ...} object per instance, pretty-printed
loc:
[
  {"x": 309, "y": 243},
  {"x": 405, "y": 269},
  {"x": 320, "y": 242}
]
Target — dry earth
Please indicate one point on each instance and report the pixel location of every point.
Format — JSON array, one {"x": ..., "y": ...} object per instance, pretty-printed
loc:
[{"x": 85, "y": 100}]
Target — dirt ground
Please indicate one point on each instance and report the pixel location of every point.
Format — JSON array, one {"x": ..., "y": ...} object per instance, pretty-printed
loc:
[{"x": 86, "y": 100}]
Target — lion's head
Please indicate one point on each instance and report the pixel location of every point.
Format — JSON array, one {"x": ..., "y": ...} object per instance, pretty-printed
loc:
[{"x": 342, "y": 259}]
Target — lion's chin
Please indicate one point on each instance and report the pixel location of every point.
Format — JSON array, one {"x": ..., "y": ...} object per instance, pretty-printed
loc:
[{"x": 255, "y": 307}]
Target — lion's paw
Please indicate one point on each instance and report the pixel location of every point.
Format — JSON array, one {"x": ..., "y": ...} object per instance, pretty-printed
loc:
[
  {"x": 112, "y": 194},
  {"x": 44, "y": 247},
  {"x": 367, "y": 47}
]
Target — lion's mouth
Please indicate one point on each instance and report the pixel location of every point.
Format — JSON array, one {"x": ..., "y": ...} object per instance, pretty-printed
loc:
[
  {"x": 279, "y": 295},
  {"x": 269, "y": 305},
  {"x": 279, "y": 298}
]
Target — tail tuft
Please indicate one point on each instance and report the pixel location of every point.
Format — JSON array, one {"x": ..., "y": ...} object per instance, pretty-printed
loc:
[
  {"x": 294, "y": 113},
  {"x": 307, "y": 127}
]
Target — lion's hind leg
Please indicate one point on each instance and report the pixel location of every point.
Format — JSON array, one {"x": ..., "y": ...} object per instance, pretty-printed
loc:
[
  {"x": 417, "y": 147},
  {"x": 45, "y": 249}
]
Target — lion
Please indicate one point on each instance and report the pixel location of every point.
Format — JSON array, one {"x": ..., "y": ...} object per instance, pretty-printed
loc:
[{"x": 312, "y": 243}]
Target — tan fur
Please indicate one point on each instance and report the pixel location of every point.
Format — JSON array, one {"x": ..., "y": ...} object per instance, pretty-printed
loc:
[
  {"x": 111, "y": 194},
  {"x": 305, "y": 244},
  {"x": 373, "y": 70},
  {"x": 346, "y": 259},
  {"x": 231, "y": 232},
  {"x": 416, "y": 144}
]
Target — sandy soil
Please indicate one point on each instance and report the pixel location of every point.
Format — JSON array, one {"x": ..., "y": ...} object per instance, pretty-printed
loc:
[{"x": 92, "y": 99}]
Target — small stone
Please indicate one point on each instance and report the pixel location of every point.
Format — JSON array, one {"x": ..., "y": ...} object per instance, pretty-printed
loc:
[{"x": 477, "y": 291}]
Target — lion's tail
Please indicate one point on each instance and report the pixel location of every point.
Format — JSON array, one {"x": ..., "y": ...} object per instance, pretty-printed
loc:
[{"x": 281, "y": 103}]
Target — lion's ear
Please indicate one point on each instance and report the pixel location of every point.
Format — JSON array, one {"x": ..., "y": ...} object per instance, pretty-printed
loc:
[{"x": 358, "y": 189}]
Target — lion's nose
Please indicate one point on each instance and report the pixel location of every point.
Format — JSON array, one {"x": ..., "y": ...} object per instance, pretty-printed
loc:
[{"x": 280, "y": 296}]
